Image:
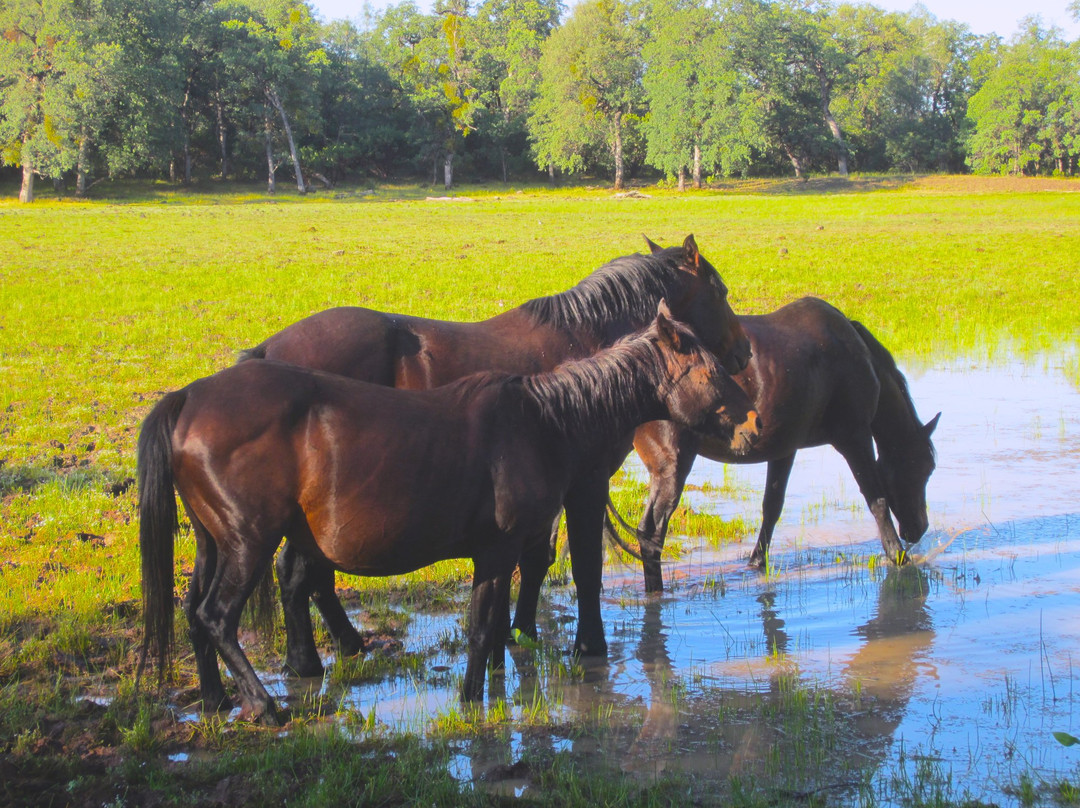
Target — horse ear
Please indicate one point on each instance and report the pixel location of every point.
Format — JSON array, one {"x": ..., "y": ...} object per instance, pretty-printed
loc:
[
  {"x": 666, "y": 328},
  {"x": 654, "y": 248},
  {"x": 931, "y": 425},
  {"x": 690, "y": 251}
]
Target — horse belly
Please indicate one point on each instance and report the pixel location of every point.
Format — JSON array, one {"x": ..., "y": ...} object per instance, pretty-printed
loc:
[
  {"x": 394, "y": 510},
  {"x": 389, "y": 538}
]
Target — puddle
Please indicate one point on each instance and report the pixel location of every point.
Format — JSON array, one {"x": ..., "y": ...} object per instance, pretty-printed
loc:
[{"x": 833, "y": 676}]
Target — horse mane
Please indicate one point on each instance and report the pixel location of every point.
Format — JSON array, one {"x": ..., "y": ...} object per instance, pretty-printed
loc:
[
  {"x": 885, "y": 364},
  {"x": 625, "y": 288},
  {"x": 598, "y": 394}
]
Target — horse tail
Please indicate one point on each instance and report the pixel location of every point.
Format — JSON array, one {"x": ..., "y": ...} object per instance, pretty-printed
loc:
[
  {"x": 258, "y": 352},
  {"x": 158, "y": 525},
  {"x": 611, "y": 532},
  {"x": 262, "y": 605}
]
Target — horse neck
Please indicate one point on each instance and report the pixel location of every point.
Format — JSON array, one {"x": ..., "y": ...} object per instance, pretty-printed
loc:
[
  {"x": 896, "y": 425},
  {"x": 604, "y": 397}
]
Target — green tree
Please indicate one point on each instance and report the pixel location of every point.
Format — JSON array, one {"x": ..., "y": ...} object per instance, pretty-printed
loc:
[
  {"x": 907, "y": 104},
  {"x": 283, "y": 54},
  {"x": 785, "y": 91},
  {"x": 700, "y": 116},
  {"x": 46, "y": 56},
  {"x": 365, "y": 113},
  {"x": 431, "y": 56},
  {"x": 1024, "y": 114},
  {"x": 590, "y": 93},
  {"x": 509, "y": 36}
]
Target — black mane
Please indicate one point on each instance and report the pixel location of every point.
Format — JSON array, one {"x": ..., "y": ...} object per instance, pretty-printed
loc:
[
  {"x": 601, "y": 394},
  {"x": 626, "y": 288}
]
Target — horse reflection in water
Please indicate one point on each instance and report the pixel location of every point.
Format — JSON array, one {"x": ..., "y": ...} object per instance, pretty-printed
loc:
[{"x": 732, "y": 729}]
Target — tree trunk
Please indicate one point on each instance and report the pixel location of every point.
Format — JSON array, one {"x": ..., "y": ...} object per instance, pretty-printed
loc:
[
  {"x": 617, "y": 150},
  {"x": 841, "y": 147},
  {"x": 26, "y": 190},
  {"x": 682, "y": 178},
  {"x": 832, "y": 123},
  {"x": 271, "y": 93},
  {"x": 551, "y": 173},
  {"x": 502, "y": 159},
  {"x": 222, "y": 139},
  {"x": 697, "y": 165},
  {"x": 80, "y": 166},
  {"x": 448, "y": 172},
  {"x": 271, "y": 168},
  {"x": 796, "y": 161}
]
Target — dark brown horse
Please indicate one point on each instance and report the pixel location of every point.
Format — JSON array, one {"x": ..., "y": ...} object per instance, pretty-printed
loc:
[
  {"x": 417, "y": 353},
  {"x": 371, "y": 480},
  {"x": 816, "y": 378}
]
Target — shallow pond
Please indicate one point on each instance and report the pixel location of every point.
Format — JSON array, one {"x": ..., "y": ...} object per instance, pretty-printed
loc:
[{"x": 831, "y": 675}]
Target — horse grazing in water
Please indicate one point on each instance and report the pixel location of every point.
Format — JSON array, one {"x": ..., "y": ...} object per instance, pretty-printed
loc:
[
  {"x": 417, "y": 353},
  {"x": 371, "y": 480},
  {"x": 815, "y": 378}
]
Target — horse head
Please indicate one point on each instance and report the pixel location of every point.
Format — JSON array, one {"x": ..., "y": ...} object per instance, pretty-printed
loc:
[
  {"x": 905, "y": 473},
  {"x": 701, "y": 393},
  {"x": 702, "y": 303}
]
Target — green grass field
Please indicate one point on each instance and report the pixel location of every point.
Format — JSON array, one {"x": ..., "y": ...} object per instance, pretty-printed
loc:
[{"x": 106, "y": 304}]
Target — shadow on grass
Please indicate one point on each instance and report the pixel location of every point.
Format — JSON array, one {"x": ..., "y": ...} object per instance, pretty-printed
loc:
[{"x": 26, "y": 479}]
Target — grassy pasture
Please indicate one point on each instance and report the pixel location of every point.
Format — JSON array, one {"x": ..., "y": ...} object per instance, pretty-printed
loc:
[{"x": 106, "y": 304}]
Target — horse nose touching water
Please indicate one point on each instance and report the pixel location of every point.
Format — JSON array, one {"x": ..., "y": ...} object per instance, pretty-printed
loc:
[{"x": 372, "y": 480}]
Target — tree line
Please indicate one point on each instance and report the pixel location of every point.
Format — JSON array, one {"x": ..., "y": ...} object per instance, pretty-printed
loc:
[{"x": 690, "y": 89}]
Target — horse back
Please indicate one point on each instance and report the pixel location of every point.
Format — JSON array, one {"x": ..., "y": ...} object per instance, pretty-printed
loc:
[
  {"x": 417, "y": 353},
  {"x": 810, "y": 378},
  {"x": 348, "y": 341}
]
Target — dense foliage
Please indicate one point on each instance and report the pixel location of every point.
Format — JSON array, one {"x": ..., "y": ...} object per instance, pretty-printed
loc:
[{"x": 508, "y": 88}]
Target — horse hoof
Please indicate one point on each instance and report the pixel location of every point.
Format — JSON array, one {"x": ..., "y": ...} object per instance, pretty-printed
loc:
[
  {"x": 266, "y": 716},
  {"x": 583, "y": 649},
  {"x": 350, "y": 649},
  {"x": 216, "y": 704},
  {"x": 302, "y": 670}
]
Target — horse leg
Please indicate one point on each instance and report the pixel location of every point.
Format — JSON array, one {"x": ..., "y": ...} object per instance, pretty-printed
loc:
[
  {"x": 211, "y": 689},
  {"x": 776, "y": 480},
  {"x": 346, "y": 637},
  {"x": 489, "y": 611},
  {"x": 534, "y": 563},
  {"x": 859, "y": 455},
  {"x": 235, "y": 578},
  {"x": 669, "y": 458},
  {"x": 297, "y": 582},
  {"x": 302, "y": 578},
  {"x": 585, "y": 506}
]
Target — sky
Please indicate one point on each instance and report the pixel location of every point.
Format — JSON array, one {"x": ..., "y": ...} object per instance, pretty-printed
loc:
[{"x": 982, "y": 16}]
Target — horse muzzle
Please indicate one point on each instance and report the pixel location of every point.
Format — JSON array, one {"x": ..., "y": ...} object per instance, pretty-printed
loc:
[
  {"x": 746, "y": 433},
  {"x": 912, "y": 533}
]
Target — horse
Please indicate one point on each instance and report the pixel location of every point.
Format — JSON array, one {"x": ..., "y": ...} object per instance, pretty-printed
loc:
[
  {"x": 418, "y": 353},
  {"x": 375, "y": 481},
  {"x": 816, "y": 378}
]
